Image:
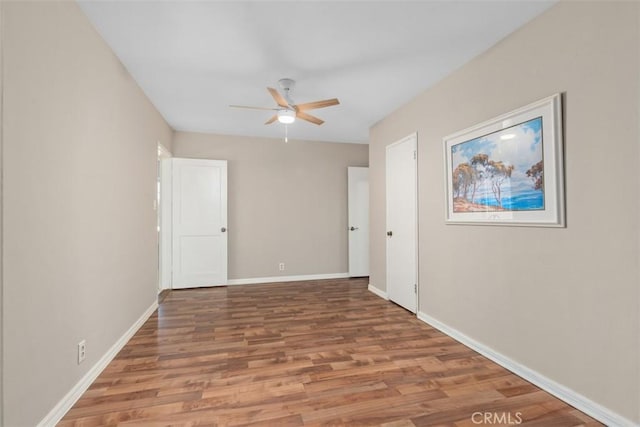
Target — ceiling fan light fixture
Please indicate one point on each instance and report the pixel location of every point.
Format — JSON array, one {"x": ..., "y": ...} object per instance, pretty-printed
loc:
[{"x": 286, "y": 116}]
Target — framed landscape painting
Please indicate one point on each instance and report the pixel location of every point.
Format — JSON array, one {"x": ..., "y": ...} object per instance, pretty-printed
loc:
[{"x": 508, "y": 170}]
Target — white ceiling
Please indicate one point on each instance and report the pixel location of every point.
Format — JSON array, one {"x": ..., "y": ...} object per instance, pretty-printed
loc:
[{"x": 193, "y": 59}]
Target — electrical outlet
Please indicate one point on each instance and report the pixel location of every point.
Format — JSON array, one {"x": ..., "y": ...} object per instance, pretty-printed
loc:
[
  {"x": 281, "y": 266},
  {"x": 82, "y": 351}
]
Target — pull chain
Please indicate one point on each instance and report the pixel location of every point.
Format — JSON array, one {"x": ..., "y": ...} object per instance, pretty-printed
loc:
[{"x": 286, "y": 134}]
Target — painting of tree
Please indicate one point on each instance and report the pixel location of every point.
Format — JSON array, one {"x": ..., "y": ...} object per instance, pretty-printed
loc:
[
  {"x": 498, "y": 173},
  {"x": 463, "y": 178},
  {"x": 479, "y": 163},
  {"x": 536, "y": 174}
]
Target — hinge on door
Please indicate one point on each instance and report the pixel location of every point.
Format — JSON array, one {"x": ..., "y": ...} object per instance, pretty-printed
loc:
[
  {"x": 415, "y": 288},
  {"x": 414, "y": 154}
]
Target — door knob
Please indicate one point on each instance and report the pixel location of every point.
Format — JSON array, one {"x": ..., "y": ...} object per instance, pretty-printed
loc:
[
  {"x": 389, "y": 233},
  {"x": 223, "y": 229},
  {"x": 353, "y": 228}
]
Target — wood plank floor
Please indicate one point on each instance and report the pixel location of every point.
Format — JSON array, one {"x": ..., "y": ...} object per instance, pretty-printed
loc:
[{"x": 305, "y": 353}]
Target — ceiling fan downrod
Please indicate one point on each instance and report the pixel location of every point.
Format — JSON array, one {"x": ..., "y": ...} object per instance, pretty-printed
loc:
[{"x": 286, "y": 85}]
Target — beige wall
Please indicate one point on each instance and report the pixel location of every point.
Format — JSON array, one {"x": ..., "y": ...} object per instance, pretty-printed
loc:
[
  {"x": 79, "y": 164},
  {"x": 287, "y": 201},
  {"x": 563, "y": 302}
]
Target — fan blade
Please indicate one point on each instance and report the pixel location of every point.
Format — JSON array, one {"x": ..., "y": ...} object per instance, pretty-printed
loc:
[
  {"x": 271, "y": 120},
  {"x": 309, "y": 118},
  {"x": 279, "y": 99},
  {"x": 318, "y": 104},
  {"x": 253, "y": 108}
]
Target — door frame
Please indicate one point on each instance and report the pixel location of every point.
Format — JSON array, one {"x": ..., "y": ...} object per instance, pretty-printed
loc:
[
  {"x": 165, "y": 257},
  {"x": 413, "y": 136}
]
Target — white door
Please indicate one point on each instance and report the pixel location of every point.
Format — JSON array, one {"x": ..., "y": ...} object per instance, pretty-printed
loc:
[
  {"x": 402, "y": 224},
  {"x": 199, "y": 223},
  {"x": 358, "y": 188}
]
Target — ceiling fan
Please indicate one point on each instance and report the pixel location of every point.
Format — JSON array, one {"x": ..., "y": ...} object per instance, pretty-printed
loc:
[{"x": 288, "y": 111}]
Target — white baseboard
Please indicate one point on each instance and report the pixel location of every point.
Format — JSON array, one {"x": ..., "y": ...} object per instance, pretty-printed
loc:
[
  {"x": 276, "y": 279},
  {"x": 59, "y": 411},
  {"x": 378, "y": 292},
  {"x": 571, "y": 397}
]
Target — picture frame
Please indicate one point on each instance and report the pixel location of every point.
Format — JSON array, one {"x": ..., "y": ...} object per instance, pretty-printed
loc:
[{"x": 508, "y": 170}]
